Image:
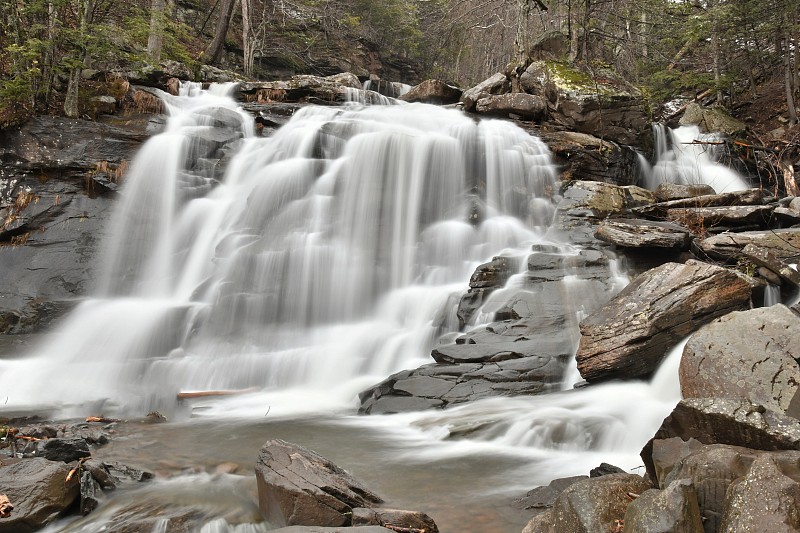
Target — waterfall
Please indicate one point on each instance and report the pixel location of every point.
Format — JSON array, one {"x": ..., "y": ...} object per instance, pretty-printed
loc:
[
  {"x": 328, "y": 256},
  {"x": 687, "y": 157}
]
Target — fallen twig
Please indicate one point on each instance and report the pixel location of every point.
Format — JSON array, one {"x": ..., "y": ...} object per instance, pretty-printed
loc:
[
  {"x": 5, "y": 506},
  {"x": 102, "y": 419},
  {"x": 208, "y": 393}
]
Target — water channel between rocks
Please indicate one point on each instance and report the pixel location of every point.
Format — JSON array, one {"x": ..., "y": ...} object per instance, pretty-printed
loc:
[{"x": 328, "y": 257}]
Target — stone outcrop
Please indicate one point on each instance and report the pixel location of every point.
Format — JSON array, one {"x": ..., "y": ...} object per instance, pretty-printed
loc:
[
  {"x": 629, "y": 336},
  {"x": 749, "y": 355},
  {"x": 597, "y": 102},
  {"x": 432, "y": 92},
  {"x": 666, "y": 192},
  {"x": 584, "y": 157},
  {"x": 496, "y": 84},
  {"x": 487, "y": 278},
  {"x": 305, "y": 87},
  {"x": 711, "y": 120}
]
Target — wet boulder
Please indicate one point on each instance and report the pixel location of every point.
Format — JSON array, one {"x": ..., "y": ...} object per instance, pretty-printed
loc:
[
  {"x": 297, "y": 486},
  {"x": 486, "y": 278},
  {"x": 672, "y": 510},
  {"x": 66, "y": 450},
  {"x": 544, "y": 497},
  {"x": 629, "y": 336},
  {"x": 589, "y": 506},
  {"x": 38, "y": 491},
  {"x": 433, "y": 92},
  {"x": 749, "y": 355}
]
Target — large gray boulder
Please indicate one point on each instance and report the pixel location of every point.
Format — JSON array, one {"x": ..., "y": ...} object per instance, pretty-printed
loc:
[
  {"x": 749, "y": 355},
  {"x": 39, "y": 492},
  {"x": 630, "y": 335},
  {"x": 299, "y": 487},
  {"x": 432, "y": 92},
  {"x": 496, "y": 84}
]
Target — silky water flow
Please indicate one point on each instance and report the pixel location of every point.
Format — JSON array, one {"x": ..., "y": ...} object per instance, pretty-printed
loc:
[{"x": 327, "y": 257}]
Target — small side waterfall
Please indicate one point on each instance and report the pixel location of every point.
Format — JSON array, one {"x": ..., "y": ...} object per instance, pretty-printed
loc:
[{"x": 685, "y": 156}]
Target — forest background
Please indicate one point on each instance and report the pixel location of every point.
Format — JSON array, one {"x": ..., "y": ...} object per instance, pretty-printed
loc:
[{"x": 743, "y": 53}]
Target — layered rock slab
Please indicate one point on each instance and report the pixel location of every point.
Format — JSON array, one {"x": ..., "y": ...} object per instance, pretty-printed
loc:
[{"x": 629, "y": 336}]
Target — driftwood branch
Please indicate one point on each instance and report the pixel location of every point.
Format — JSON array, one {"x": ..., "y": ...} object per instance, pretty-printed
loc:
[{"x": 208, "y": 393}]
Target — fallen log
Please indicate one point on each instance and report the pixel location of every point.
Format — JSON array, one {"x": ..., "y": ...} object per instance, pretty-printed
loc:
[{"x": 209, "y": 393}]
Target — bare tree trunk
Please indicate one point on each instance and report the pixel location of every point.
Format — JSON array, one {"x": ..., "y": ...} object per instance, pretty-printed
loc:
[
  {"x": 71, "y": 100},
  {"x": 789, "y": 82},
  {"x": 214, "y": 51},
  {"x": 155, "y": 40},
  {"x": 247, "y": 39}
]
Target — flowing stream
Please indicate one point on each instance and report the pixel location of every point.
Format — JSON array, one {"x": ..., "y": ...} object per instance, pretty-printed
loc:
[{"x": 326, "y": 258}]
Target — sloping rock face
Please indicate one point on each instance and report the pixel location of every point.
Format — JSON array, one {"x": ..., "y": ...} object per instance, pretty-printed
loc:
[
  {"x": 749, "y": 355},
  {"x": 628, "y": 337},
  {"x": 299, "y": 487},
  {"x": 37, "y": 489},
  {"x": 674, "y": 509}
]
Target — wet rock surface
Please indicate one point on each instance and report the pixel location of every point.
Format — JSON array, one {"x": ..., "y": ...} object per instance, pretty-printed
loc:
[{"x": 432, "y": 92}]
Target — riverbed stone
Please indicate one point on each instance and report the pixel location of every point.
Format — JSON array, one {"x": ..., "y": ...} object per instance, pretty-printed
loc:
[
  {"x": 297, "y": 486},
  {"x": 39, "y": 492},
  {"x": 748, "y": 354},
  {"x": 66, "y": 450},
  {"x": 667, "y": 191},
  {"x": 630, "y": 335},
  {"x": 517, "y": 105}
]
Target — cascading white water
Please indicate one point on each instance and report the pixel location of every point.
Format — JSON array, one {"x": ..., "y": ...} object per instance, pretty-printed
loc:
[
  {"x": 685, "y": 156},
  {"x": 331, "y": 255}
]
